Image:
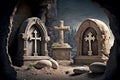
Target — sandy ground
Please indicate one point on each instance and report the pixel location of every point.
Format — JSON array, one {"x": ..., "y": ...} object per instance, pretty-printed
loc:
[{"x": 62, "y": 73}]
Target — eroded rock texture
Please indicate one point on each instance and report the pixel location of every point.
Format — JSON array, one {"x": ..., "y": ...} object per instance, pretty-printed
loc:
[
  {"x": 7, "y": 6},
  {"x": 6, "y": 71},
  {"x": 113, "y": 65},
  {"x": 39, "y": 8}
]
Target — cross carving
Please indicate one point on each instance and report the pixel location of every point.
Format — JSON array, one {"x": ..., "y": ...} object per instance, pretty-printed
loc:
[
  {"x": 35, "y": 38},
  {"x": 89, "y": 38},
  {"x": 61, "y": 28}
]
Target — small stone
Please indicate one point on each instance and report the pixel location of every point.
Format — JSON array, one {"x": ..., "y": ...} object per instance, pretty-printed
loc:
[
  {"x": 55, "y": 64},
  {"x": 97, "y": 67},
  {"x": 81, "y": 70},
  {"x": 43, "y": 63}
]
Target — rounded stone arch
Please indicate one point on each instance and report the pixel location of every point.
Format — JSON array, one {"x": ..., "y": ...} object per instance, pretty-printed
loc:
[
  {"x": 94, "y": 43},
  {"x": 33, "y": 21},
  {"x": 101, "y": 34},
  {"x": 24, "y": 36}
]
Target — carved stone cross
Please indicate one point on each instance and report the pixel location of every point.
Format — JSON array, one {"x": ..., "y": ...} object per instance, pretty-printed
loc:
[
  {"x": 89, "y": 38},
  {"x": 35, "y": 38},
  {"x": 61, "y": 28}
]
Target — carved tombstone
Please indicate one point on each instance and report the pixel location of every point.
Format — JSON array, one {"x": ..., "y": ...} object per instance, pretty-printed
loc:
[
  {"x": 92, "y": 39},
  {"x": 61, "y": 50},
  {"x": 33, "y": 38}
]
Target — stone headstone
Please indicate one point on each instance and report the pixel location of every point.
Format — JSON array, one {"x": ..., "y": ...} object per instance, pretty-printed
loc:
[
  {"x": 32, "y": 40},
  {"x": 61, "y": 50},
  {"x": 92, "y": 39}
]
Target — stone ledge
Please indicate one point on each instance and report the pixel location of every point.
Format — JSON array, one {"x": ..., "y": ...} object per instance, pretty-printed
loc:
[
  {"x": 35, "y": 58},
  {"x": 58, "y": 45},
  {"x": 61, "y": 48},
  {"x": 89, "y": 59},
  {"x": 64, "y": 62}
]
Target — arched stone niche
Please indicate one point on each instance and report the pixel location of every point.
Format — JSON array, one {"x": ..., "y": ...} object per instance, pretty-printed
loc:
[
  {"x": 92, "y": 39},
  {"x": 33, "y": 38}
]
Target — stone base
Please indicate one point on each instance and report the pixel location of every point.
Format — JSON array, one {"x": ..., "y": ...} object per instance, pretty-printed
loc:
[
  {"x": 28, "y": 60},
  {"x": 61, "y": 53},
  {"x": 79, "y": 60},
  {"x": 64, "y": 62}
]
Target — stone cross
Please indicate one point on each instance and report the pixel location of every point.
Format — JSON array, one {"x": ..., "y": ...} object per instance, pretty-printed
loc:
[
  {"x": 89, "y": 38},
  {"x": 35, "y": 39},
  {"x": 61, "y": 28}
]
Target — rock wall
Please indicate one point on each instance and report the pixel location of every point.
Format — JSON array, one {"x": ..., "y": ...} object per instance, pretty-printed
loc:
[
  {"x": 111, "y": 9},
  {"x": 113, "y": 65},
  {"x": 38, "y": 9}
]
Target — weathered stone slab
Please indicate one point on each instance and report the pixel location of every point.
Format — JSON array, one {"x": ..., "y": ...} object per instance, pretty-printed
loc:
[
  {"x": 92, "y": 39},
  {"x": 61, "y": 53},
  {"x": 33, "y": 59},
  {"x": 36, "y": 58},
  {"x": 61, "y": 50},
  {"x": 33, "y": 38}
]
